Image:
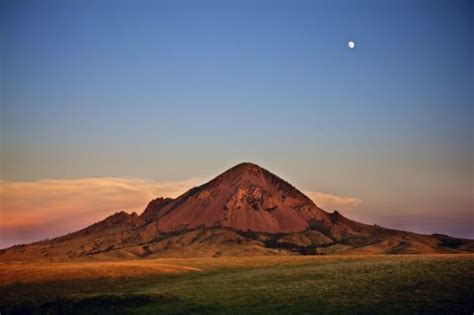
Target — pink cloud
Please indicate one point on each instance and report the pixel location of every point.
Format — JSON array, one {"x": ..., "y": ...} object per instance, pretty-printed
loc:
[
  {"x": 332, "y": 202},
  {"x": 48, "y": 208}
]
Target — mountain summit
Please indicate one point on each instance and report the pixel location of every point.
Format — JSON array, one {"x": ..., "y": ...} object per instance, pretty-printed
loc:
[
  {"x": 246, "y": 197},
  {"x": 244, "y": 211}
]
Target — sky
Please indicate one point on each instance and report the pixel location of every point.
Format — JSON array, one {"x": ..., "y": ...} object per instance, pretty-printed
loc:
[{"x": 170, "y": 93}]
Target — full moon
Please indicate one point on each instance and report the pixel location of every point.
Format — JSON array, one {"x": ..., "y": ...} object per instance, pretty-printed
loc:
[{"x": 351, "y": 44}]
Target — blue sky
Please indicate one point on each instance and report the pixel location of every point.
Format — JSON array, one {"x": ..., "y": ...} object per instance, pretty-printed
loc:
[{"x": 185, "y": 89}]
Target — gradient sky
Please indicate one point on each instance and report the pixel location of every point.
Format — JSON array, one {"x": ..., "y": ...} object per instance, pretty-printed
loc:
[{"x": 170, "y": 91}]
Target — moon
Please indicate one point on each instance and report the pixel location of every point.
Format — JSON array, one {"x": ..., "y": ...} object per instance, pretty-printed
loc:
[{"x": 351, "y": 44}]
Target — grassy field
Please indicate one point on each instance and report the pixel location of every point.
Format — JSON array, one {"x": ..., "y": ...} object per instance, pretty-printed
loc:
[{"x": 421, "y": 284}]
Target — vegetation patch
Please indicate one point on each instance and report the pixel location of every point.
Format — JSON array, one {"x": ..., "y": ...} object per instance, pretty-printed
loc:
[{"x": 450, "y": 242}]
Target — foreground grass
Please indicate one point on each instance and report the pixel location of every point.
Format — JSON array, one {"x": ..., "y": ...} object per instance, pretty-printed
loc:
[
  {"x": 426, "y": 284},
  {"x": 67, "y": 271}
]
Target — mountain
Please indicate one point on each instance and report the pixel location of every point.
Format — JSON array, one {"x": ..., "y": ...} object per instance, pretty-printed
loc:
[
  {"x": 244, "y": 211},
  {"x": 246, "y": 197}
]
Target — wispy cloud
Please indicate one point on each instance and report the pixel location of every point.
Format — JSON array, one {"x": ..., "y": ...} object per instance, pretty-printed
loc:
[
  {"x": 47, "y": 208},
  {"x": 332, "y": 202}
]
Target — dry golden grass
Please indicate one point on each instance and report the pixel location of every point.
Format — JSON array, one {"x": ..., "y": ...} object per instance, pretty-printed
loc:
[{"x": 40, "y": 272}]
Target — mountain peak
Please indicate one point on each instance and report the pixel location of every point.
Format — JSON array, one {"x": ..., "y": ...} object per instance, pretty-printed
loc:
[
  {"x": 245, "y": 197},
  {"x": 245, "y": 166},
  {"x": 243, "y": 169}
]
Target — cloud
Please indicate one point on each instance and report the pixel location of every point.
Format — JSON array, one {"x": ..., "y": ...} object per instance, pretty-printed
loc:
[
  {"x": 47, "y": 208},
  {"x": 332, "y": 202},
  {"x": 41, "y": 209}
]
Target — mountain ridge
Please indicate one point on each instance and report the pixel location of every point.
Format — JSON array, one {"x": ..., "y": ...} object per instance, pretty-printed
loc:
[{"x": 246, "y": 210}]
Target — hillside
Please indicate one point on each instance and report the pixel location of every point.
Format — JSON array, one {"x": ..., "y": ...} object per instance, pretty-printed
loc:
[{"x": 245, "y": 211}]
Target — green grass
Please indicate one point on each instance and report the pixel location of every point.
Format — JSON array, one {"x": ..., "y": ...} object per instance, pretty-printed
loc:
[{"x": 338, "y": 285}]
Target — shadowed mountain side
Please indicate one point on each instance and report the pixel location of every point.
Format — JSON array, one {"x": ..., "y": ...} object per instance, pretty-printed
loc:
[{"x": 244, "y": 211}]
